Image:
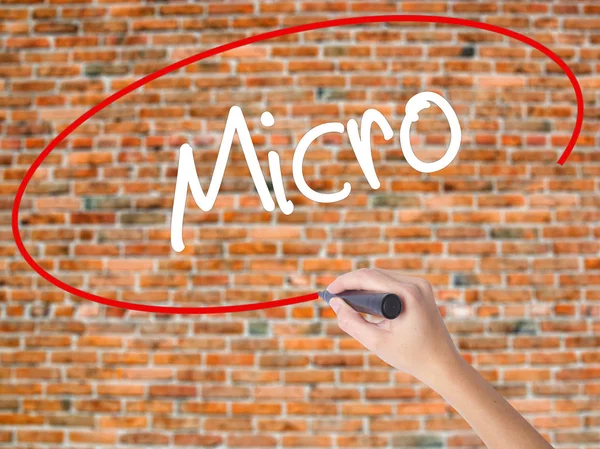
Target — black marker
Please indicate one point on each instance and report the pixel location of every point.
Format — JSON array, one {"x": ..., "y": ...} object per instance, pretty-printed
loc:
[{"x": 387, "y": 305}]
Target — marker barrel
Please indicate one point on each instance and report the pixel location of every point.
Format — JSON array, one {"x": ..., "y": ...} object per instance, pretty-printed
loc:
[{"x": 387, "y": 305}]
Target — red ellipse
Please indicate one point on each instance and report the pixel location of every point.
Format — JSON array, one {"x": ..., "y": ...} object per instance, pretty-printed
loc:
[{"x": 240, "y": 43}]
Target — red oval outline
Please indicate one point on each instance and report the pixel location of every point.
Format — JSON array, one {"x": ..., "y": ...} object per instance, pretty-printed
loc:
[{"x": 240, "y": 43}]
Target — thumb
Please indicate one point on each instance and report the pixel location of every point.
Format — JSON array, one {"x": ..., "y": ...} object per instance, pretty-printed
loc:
[{"x": 353, "y": 323}]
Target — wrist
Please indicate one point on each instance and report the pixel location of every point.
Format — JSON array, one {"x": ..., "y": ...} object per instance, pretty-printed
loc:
[{"x": 444, "y": 371}]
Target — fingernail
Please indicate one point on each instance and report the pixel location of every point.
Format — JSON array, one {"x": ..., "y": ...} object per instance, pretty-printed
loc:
[{"x": 335, "y": 304}]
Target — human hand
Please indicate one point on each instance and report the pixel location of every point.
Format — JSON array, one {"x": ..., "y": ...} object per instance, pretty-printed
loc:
[{"x": 417, "y": 342}]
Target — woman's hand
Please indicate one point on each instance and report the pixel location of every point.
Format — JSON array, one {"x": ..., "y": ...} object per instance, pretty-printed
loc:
[{"x": 417, "y": 342}]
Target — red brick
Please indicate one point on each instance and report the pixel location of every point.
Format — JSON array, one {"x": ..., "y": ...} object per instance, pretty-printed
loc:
[{"x": 506, "y": 236}]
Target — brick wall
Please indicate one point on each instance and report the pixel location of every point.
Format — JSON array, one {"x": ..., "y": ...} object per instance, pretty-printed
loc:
[{"x": 507, "y": 237}]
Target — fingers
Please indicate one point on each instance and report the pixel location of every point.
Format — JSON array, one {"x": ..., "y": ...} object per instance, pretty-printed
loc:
[
  {"x": 372, "y": 318},
  {"x": 366, "y": 279},
  {"x": 352, "y": 322},
  {"x": 362, "y": 280},
  {"x": 403, "y": 278}
]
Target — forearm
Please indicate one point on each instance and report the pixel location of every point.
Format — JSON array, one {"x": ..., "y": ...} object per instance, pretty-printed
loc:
[{"x": 494, "y": 420}]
